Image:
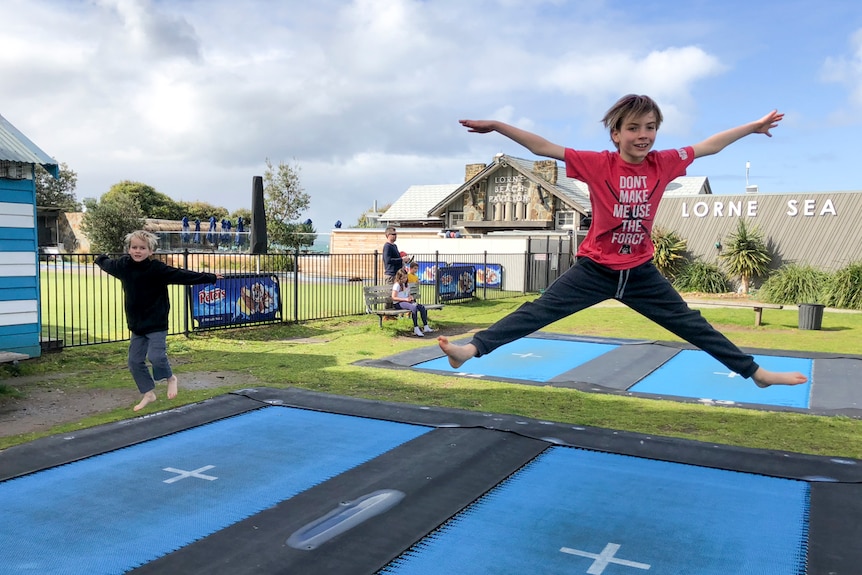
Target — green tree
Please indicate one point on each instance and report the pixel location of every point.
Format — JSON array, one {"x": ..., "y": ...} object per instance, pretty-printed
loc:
[
  {"x": 107, "y": 222},
  {"x": 284, "y": 201},
  {"x": 244, "y": 213},
  {"x": 745, "y": 255},
  {"x": 202, "y": 211},
  {"x": 59, "y": 192},
  {"x": 154, "y": 204}
]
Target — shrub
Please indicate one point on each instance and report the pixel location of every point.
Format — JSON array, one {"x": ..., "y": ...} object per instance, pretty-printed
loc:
[
  {"x": 669, "y": 255},
  {"x": 845, "y": 287},
  {"x": 702, "y": 277},
  {"x": 794, "y": 284},
  {"x": 745, "y": 255}
]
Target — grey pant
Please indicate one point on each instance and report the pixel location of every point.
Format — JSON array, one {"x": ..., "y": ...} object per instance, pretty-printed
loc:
[
  {"x": 642, "y": 288},
  {"x": 152, "y": 346}
]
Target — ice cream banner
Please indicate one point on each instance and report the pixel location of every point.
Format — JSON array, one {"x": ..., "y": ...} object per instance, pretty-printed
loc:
[
  {"x": 428, "y": 272},
  {"x": 235, "y": 300},
  {"x": 457, "y": 282},
  {"x": 488, "y": 275}
]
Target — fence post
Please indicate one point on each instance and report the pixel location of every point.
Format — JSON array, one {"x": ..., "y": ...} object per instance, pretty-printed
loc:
[
  {"x": 374, "y": 274},
  {"x": 296, "y": 284},
  {"x": 189, "y": 303},
  {"x": 436, "y": 276},
  {"x": 485, "y": 275}
]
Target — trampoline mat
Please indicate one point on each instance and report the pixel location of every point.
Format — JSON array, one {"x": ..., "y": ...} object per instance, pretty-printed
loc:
[
  {"x": 650, "y": 369},
  {"x": 576, "y": 511},
  {"x": 119, "y": 510},
  {"x": 271, "y": 481}
]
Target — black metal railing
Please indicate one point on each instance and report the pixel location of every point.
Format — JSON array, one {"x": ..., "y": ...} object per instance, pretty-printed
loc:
[{"x": 82, "y": 305}]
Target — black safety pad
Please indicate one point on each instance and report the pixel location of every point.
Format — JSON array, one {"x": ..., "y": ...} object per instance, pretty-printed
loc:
[
  {"x": 619, "y": 368},
  {"x": 837, "y": 385}
]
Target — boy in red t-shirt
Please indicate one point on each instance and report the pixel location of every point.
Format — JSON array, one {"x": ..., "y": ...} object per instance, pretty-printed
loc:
[{"x": 615, "y": 259}]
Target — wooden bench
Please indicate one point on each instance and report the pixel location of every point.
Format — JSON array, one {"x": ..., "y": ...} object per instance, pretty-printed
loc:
[
  {"x": 378, "y": 300},
  {"x": 757, "y": 306}
]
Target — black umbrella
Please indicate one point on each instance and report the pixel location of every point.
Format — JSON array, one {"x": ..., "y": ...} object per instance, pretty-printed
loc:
[{"x": 258, "y": 217}]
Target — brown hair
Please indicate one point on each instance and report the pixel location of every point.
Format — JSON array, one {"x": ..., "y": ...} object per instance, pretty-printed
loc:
[
  {"x": 401, "y": 278},
  {"x": 630, "y": 105}
]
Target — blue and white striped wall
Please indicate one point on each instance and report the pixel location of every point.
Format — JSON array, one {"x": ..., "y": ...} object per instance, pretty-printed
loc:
[{"x": 19, "y": 260}]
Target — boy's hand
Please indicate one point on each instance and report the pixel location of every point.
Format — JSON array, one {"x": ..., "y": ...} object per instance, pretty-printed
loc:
[
  {"x": 768, "y": 122},
  {"x": 478, "y": 126}
]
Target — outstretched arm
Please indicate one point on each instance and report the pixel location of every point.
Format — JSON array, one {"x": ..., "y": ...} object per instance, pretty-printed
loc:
[
  {"x": 536, "y": 144},
  {"x": 716, "y": 143}
]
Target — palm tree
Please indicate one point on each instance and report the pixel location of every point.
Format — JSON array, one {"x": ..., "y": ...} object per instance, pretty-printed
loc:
[
  {"x": 669, "y": 254},
  {"x": 745, "y": 255}
]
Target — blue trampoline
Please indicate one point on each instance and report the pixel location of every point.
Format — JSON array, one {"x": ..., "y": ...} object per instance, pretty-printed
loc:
[{"x": 288, "y": 481}]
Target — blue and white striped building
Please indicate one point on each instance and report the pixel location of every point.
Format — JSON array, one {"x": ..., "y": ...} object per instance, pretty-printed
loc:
[{"x": 19, "y": 251}]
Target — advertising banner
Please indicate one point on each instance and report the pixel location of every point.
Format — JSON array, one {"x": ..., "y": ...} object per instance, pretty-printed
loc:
[
  {"x": 236, "y": 300},
  {"x": 489, "y": 275},
  {"x": 428, "y": 272},
  {"x": 457, "y": 282}
]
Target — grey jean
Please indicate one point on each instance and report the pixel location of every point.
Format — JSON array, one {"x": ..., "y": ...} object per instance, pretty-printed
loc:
[
  {"x": 152, "y": 346},
  {"x": 641, "y": 288}
]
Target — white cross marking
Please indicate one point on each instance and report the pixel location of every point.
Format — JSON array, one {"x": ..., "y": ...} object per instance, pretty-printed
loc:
[
  {"x": 604, "y": 558},
  {"x": 184, "y": 474},
  {"x": 731, "y": 375},
  {"x": 528, "y": 354}
]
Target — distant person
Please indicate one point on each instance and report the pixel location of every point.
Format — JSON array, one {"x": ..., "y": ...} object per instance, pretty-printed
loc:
[
  {"x": 615, "y": 259},
  {"x": 145, "y": 287},
  {"x": 403, "y": 300},
  {"x": 413, "y": 273},
  {"x": 392, "y": 259}
]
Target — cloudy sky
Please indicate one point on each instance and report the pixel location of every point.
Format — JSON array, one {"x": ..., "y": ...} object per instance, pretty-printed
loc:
[{"x": 364, "y": 96}]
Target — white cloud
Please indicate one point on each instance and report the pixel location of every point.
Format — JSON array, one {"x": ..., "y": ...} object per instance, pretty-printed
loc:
[
  {"x": 847, "y": 70},
  {"x": 192, "y": 96}
]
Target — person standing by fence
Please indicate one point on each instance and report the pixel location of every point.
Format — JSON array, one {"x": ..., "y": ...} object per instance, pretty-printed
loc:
[
  {"x": 145, "y": 287},
  {"x": 392, "y": 260}
]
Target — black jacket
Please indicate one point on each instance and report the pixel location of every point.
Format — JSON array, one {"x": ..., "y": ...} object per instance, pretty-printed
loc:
[{"x": 146, "y": 289}]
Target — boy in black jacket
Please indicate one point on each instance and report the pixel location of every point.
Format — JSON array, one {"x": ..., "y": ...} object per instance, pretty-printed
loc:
[{"x": 145, "y": 284}]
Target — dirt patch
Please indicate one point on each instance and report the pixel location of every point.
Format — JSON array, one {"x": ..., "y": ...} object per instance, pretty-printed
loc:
[{"x": 45, "y": 406}]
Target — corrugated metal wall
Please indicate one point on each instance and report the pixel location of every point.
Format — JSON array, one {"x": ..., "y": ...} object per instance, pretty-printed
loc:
[{"x": 821, "y": 229}]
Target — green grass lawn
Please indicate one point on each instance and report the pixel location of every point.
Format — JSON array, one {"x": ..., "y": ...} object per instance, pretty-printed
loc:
[{"x": 319, "y": 355}]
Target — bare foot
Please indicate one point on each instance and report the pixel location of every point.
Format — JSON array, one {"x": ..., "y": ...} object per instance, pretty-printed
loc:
[
  {"x": 147, "y": 399},
  {"x": 764, "y": 378},
  {"x": 457, "y": 354},
  {"x": 172, "y": 387}
]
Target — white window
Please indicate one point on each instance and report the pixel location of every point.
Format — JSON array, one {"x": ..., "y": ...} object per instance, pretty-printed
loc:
[
  {"x": 564, "y": 220},
  {"x": 456, "y": 219}
]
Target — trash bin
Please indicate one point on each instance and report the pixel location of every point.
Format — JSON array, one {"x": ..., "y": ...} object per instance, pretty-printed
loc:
[{"x": 810, "y": 315}]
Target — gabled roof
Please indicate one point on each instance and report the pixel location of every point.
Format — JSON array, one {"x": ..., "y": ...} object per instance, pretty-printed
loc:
[
  {"x": 416, "y": 202},
  {"x": 428, "y": 203},
  {"x": 16, "y": 147},
  {"x": 573, "y": 192},
  {"x": 688, "y": 186}
]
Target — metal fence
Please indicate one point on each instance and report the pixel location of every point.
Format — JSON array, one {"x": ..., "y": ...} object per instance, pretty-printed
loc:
[{"x": 82, "y": 305}]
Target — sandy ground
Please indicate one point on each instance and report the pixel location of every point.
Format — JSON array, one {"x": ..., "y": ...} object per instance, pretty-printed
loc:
[{"x": 45, "y": 406}]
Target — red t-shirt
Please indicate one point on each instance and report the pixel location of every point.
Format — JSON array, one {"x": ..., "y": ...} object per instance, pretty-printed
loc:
[{"x": 624, "y": 199}]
